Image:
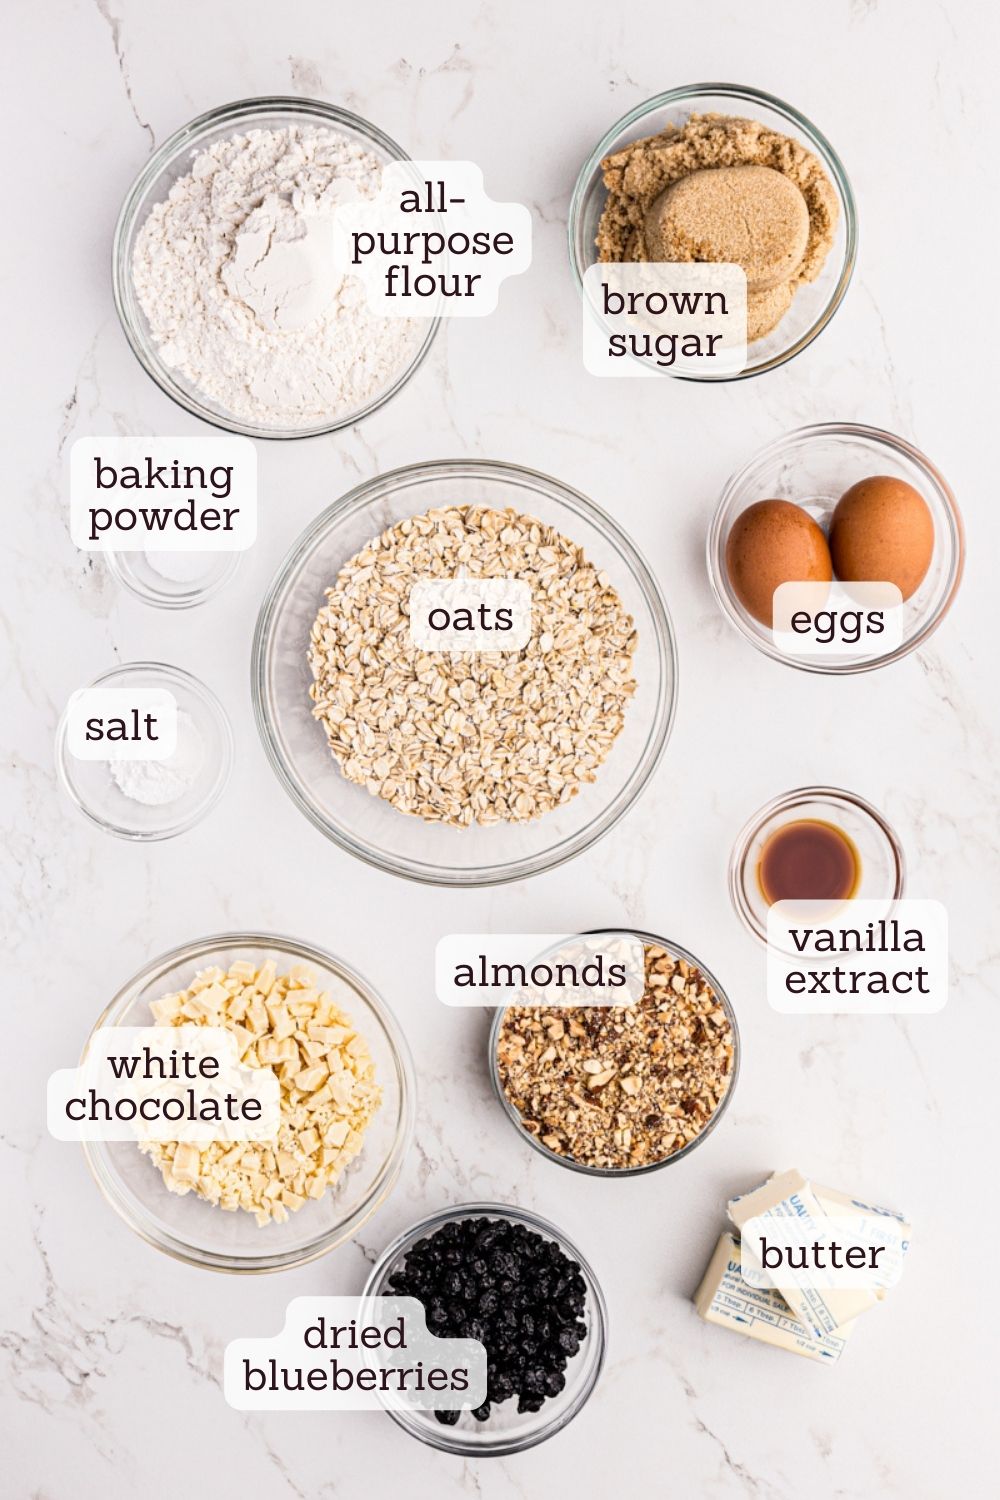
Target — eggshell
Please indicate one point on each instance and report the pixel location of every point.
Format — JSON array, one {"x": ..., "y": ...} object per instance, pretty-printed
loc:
[
  {"x": 774, "y": 542},
  {"x": 882, "y": 532}
]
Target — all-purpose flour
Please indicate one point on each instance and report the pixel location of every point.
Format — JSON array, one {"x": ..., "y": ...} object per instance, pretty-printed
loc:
[{"x": 235, "y": 273}]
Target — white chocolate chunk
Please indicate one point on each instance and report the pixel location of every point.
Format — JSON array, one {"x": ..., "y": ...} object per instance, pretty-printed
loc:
[{"x": 328, "y": 1089}]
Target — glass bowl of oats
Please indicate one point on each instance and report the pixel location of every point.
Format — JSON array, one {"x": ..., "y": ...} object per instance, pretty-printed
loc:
[
  {"x": 672, "y": 142},
  {"x": 618, "y": 1091},
  {"x": 345, "y": 1127},
  {"x": 463, "y": 768}
]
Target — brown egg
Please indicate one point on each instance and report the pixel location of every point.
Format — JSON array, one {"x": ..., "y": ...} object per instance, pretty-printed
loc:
[
  {"x": 774, "y": 542},
  {"x": 882, "y": 532}
]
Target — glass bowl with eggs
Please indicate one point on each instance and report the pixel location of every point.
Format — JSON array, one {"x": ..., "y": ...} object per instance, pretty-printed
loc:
[{"x": 854, "y": 512}]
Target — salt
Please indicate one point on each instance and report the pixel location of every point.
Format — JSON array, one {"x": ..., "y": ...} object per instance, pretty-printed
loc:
[{"x": 157, "y": 782}]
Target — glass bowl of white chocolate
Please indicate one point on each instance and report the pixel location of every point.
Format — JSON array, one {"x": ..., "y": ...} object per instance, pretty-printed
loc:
[{"x": 343, "y": 1135}]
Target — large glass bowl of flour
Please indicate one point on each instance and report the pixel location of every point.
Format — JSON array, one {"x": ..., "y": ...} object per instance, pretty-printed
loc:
[{"x": 224, "y": 279}]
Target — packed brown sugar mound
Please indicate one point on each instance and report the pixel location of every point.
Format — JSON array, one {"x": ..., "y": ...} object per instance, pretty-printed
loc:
[{"x": 722, "y": 188}]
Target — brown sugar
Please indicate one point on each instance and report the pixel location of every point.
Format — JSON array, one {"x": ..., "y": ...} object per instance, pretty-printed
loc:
[
  {"x": 751, "y": 216},
  {"x": 722, "y": 188}
]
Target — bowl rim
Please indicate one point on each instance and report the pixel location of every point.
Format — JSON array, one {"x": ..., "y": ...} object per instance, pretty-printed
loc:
[
  {"x": 676, "y": 950},
  {"x": 788, "y": 801},
  {"x": 371, "y": 490},
  {"x": 800, "y": 437},
  {"x": 122, "y": 570},
  {"x": 489, "y": 1209},
  {"x": 390, "y": 1170},
  {"x": 212, "y": 702},
  {"x": 189, "y": 135},
  {"x": 688, "y": 93}
]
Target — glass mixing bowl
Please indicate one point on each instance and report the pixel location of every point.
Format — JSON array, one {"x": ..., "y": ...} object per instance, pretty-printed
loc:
[
  {"x": 93, "y": 789},
  {"x": 815, "y": 302},
  {"x": 371, "y": 828},
  {"x": 506, "y": 1430},
  {"x": 883, "y": 870},
  {"x": 157, "y": 579},
  {"x": 172, "y": 161},
  {"x": 676, "y": 951},
  {"x": 193, "y": 1230},
  {"x": 812, "y": 467}
]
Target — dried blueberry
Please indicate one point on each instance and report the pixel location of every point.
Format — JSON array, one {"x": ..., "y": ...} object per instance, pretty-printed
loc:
[{"x": 511, "y": 1288}]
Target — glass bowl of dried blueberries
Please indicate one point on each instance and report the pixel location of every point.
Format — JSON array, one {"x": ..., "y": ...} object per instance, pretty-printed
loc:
[{"x": 512, "y": 1280}]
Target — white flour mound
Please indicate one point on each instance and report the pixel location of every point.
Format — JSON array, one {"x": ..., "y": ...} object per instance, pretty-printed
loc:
[{"x": 235, "y": 273}]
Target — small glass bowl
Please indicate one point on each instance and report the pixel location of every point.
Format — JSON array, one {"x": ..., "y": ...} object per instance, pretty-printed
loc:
[
  {"x": 192, "y": 1230},
  {"x": 815, "y": 302},
  {"x": 90, "y": 784},
  {"x": 676, "y": 951},
  {"x": 172, "y": 161},
  {"x": 812, "y": 467},
  {"x": 371, "y": 828},
  {"x": 507, "y": 1430},
  {"x": 883, "y": 868},
  {"x": 138, "y": 572}
]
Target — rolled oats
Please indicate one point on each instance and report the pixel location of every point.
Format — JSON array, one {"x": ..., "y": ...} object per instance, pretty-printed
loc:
[{"x": 481, "y": 737}]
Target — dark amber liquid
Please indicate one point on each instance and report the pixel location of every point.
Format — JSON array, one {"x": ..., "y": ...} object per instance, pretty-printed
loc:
[{"x": 808, "y": 861}]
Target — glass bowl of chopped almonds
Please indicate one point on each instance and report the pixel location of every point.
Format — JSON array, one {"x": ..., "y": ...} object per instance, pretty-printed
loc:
[
  {"x": 463, "y": 768},
  {"x": 346, "y": 1100},
  {"x": 617, "y": 1091}
]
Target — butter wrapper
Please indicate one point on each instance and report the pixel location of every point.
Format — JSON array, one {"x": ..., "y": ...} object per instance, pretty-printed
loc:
[
  {"x": 797, "y": 1214},
  {"x": 760, "y": 1313}
]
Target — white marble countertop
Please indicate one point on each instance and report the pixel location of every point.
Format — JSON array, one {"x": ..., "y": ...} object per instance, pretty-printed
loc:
[{"x": 112, "y": 1354}]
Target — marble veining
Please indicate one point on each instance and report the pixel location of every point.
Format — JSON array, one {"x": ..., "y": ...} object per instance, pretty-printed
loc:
[{"x": 110, "y": 1354}]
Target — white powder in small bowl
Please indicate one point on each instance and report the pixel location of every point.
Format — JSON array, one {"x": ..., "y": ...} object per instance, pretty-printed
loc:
[
  {"x": 234, "y": 271},
  {"x": 181, "y": 567},
  {"x": 157, "y": 782}
]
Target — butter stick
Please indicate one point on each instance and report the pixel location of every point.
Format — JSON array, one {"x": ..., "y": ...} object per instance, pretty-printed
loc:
[
  {"x": 789, "y": 1195},
  {"x": 724, "y": 1298},
  {"x": 887, "y": 1226}
]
